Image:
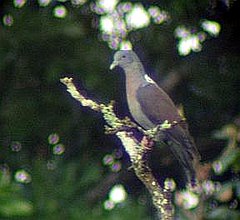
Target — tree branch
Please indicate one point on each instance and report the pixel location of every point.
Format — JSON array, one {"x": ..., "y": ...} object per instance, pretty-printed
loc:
[{"x": 138, "y": 151}]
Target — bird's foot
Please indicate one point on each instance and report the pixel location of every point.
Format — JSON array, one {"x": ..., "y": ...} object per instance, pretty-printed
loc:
[{"x": 123, "y": 125}]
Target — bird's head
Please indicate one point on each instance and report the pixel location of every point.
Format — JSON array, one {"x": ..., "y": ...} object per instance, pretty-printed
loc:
[{"x": 124, "y": 59}]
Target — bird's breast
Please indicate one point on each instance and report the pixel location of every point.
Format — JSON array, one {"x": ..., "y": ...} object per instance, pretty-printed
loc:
[{"x": 134, "y": 106}]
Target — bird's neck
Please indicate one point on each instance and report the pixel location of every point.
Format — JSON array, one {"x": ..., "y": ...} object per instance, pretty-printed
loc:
[
  {"x": 135, "y": 73},
  {"x": 134, "y": 79}
]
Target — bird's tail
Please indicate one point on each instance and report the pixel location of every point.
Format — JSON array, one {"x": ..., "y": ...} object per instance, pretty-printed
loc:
[{"x": 184, "y": 149}]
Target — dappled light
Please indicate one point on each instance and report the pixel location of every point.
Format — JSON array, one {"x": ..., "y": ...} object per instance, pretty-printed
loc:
[
  {"x": 116, "y": 166},
  {"x": 108, "y": 159},
  {"x": 212, "y": 27},
  {"x": 53, "y": 138},
  {"x": 189, "y": 39},
  {"x": 158, "y": 16},
  {"x": 60, "y": 11},
  {"x": 109, "y": 204},
  {"x": 118, "y": 19},
  {"x": 44, "y": 3},
  {"x": 8, "y": 20},
  {"x": 125, "y": 45},
  {"x": 107, "y": 6},
  {"x": 78, "y": 2},
  {"x": 187, "y": 199},
  {"x": 22, "y": 176},
  {"x": 209, "y": 187},
  {"x": 170, "y": 184},
  {"x": 113, "y": 161},
  {"x": 137, "y": 17},
  {"x": 19, "y": 3},
  {"x": 16, "y": 146},
  {"x": 69, "y": 144},
  {"x": 58, "y": 149},
  {"x": 217, "y": 167},
  {"x": 117, "y": 194}
]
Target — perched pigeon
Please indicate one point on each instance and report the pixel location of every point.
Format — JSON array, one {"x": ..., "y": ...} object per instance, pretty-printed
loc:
[{"x": 151, "y": 106}]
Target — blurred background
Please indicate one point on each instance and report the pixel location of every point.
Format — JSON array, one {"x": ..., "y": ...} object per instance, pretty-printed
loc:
[{"x": 55, "y": 160}]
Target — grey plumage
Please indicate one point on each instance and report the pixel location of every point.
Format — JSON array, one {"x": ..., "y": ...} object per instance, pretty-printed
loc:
[{"x": 150, "y": 106}]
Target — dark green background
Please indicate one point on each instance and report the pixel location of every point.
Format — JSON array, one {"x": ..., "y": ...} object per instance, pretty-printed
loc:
[{"x": 39, "y": 49}]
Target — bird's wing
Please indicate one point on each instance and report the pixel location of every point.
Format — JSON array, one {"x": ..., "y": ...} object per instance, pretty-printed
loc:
[
  {"x": 156, "y": 104},
  {"x": 158, "y": 107}
]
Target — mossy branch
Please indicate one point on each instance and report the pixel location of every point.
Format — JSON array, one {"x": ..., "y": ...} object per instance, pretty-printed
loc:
[{"x": 137, "y": 150}]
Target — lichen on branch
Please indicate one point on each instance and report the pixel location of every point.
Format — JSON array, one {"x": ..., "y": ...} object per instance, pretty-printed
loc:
[{"x": 137, "y": 150}]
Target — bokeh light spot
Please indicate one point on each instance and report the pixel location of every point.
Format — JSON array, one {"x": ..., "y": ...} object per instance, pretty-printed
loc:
[
  {"x": 118, "y": 194},
  {"x": 53, "y": 138},
  {"x": 201, "y": 36},
  {"x": 208, "y": 187},
  {"x": 124, "y": 7},
  {"x": 212, "y": 27},
  {"x": 19, "y": 3},
  {"x": 190, "y": 200},
  {"x": 138, "y": 17},
  {"x": 109, "y": 205},
  {"x": 182, "y": 32},
  {"x": 189, "y": 40},
  {"x": 154, "y": 11},
  {"x": 169, "y": 183},
  {"x": 60, "y": 11},
  {"x": 106, "y": 24},
  {"x": 187, "y": 199},
  {"x": 125, "y": 45},
  {"x": 107, "y": 5},
  {"x": 116, "y": 167},
  {"x": 78, "y": 2},
  {"x": 58, "y": 149},
  {"x": 44, "y": 3},
  {"x": 217, "y": 167},
  {"x": 114, "y": 43},
  {"x": 108, "y": 159},
  {"x": 22, "y": 176},
  {"x": 184, "y": 47},
  {"x": 8, "y": 20},
  {"x": 16, "y": 146},
  {"x": 187, "y": 44},
  {"x": 157, "y": 15}
]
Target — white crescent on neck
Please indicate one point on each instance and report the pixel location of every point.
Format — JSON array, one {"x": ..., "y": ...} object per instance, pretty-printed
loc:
[{"x": 148, "y": 79}]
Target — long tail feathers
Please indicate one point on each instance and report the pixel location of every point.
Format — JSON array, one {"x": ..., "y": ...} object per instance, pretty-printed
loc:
[{"x": 184, "y": 149}]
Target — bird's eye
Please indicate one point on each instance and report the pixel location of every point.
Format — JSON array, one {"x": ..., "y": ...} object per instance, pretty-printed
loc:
[{"x": 123, "y": 56}]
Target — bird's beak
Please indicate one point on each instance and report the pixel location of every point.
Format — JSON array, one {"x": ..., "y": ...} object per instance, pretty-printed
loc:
[{"x": 113, "y": 65}]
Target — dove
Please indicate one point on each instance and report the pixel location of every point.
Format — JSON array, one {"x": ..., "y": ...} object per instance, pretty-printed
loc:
[{"x": 150, "y": 106}]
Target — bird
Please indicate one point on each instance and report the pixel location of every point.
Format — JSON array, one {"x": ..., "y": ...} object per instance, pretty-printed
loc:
[{"x": 151, "y": 106}]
